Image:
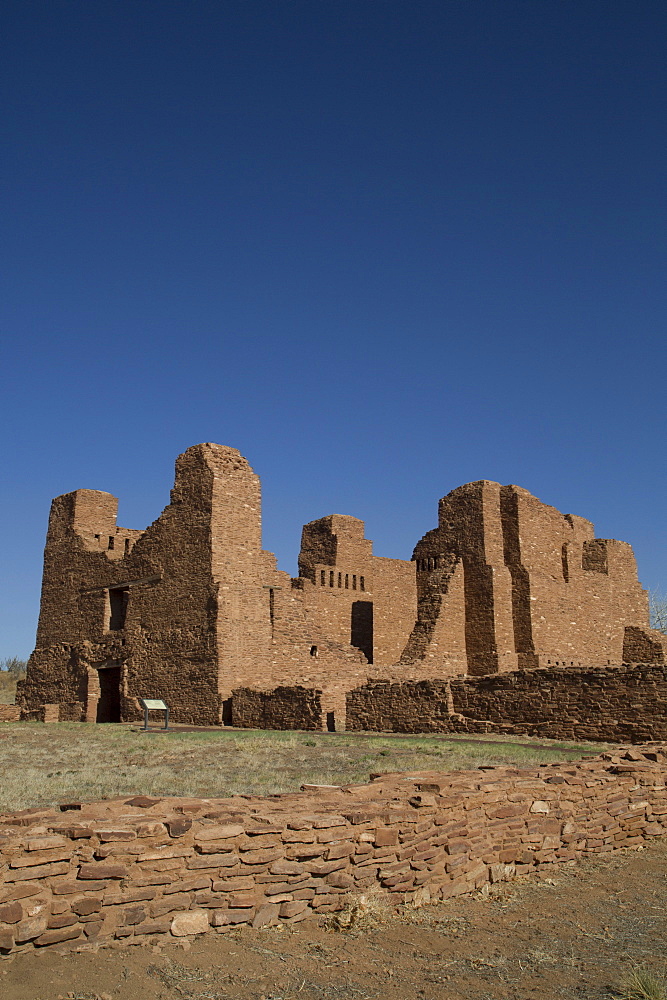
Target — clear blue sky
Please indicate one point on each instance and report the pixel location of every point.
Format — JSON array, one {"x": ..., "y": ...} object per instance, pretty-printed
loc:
[{"x": 383, "y": 248}]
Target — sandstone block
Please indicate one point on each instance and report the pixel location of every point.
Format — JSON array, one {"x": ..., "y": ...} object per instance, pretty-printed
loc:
[
  {"x": 340, "y": 880},
  {"x": 212, "y": 861},
  {"x": 39, "y": 871},
  {"x": 11, "y": 913},
  {"x": 102, "y": 871},
  {"x": 261, "y": 857},
  {"x": 192, "y": 922},
  {"x": 290, "y": 909},
  {"x": 58, "y": 935},
  {"x": 153, "y": 926},
  {"x": 221, "y": 918},
  {"x": 284, "y": 867},
  {"x": 188, "y": 884},
  {"x": 26, "y": 930},
  {"x": 344, "y": 849},
  {"x": 178, "y": 901},
  {"x": 219, "y": 832},
  {"x": 243, "y": 900},
  {"x": 93, "y": 929},
  {"x": 86, "y": 905},
  {"x": 151, "y": 828},
  {"x": 110, "y": 834},
  {"x": 266, "y": 915},
  {"x": 6, "y": 938},
  {"x": 61, "y": 920},
  {"x": 133, "y": 915},
  {"x": 45, "y": 843},
  {"x": 178, "y": 827}
]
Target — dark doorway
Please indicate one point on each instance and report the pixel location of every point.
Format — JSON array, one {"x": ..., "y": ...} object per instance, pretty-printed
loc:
[
  {"x": 331, "y": 722},
  {"x": 108, "y": 707},
  {"x": 361, "y": 628}
]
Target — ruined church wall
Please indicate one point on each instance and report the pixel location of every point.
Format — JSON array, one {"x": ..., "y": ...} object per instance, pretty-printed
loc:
[
  {"x": 615, "y": 704},
  {"x": 580, "y": 592},
  {"x": 139, "y": 869},
  {"x": 165, "y": 644},
  {"x": 394, "y": 608},
  {"x": 293, "y": 707}
]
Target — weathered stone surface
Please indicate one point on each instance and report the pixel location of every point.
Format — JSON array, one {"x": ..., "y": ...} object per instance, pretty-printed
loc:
[
  {"x": 58, "y": 936},
  {"x": 11, "y": 913},
  {"x": 26, "y": 930},
  {"x": 266, "y": 915},
  {"x": 193, "y": 922}
]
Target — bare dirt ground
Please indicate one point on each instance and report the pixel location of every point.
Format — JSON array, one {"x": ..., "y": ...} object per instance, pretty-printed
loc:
[{"x": 573, "y": 932}]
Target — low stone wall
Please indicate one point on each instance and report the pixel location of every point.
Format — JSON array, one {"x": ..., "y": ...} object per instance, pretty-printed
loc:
[
  {"x": 10, "y": 713},
  {"x": 281, "y": 708},
  {"x": 618, "y": 704},
  {"x": 139, "y": 868}
]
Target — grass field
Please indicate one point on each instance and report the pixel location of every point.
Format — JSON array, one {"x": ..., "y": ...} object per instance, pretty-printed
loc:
[{"x": 42, "y": 764}]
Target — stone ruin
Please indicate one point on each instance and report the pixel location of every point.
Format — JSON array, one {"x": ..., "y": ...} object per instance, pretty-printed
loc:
[{"x": 192, "y": 610}]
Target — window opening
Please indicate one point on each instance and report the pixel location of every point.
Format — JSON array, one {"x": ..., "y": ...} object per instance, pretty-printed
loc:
[
  {"x": 331, "y": 578},
  {"x": 362, "y": 584},
  {"x": 340, "y": 579},
  {"x": 331, "y": 722},
  {"x": 347, "y": 581},
  {"x": 354, "y": 582},
  {"x": 323, "y": 578},
  {"x": 127, "y": 545},
  {"x": 361, "y": 627},
  {"x": 112, "y": 542},
  {"x": 313, "y": 650},
  {"x": 118, "y": 601},
  {"x": 566, "y": 568}
]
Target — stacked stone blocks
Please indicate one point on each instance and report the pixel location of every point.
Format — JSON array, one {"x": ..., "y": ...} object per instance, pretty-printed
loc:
[{"x": 138, "y": 869}]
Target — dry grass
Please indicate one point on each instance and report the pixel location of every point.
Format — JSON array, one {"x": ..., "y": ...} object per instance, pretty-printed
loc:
[
  {"x": 642, "y": 984},
  {"x": 47, "y": 764},
  {"x": 361, "y": 913}
]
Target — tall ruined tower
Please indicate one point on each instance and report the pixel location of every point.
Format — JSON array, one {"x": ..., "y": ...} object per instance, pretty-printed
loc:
[{"x": 506, "y": 582}]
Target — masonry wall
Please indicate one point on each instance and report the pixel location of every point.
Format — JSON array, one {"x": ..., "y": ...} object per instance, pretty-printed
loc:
[
  {"x": 507, "y": 582},
  {"x": 138, "y": 869},
  {"x": 282, "y": 708},
  {"x": 193, "y": 608},
  {"x": 616, "y": 704}
]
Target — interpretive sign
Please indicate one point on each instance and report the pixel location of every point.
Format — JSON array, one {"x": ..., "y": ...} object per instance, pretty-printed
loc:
[{"x": 154, "y": 705}]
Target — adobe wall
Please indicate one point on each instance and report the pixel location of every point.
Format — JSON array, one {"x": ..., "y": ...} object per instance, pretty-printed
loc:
[
  {"x": 138, "y": 869},
  {"x": 615, "y": 704}
]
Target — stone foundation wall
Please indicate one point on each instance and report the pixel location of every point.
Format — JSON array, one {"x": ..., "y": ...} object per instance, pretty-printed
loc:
[
  {"x": 618, "y": 704},
  {"x": 282, "y": 708},
  {"x": 140, "y": 868}
]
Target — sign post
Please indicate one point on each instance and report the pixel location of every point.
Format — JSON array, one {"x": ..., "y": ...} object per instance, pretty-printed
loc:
[{"x": 154, "y": 705}]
